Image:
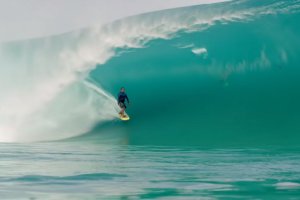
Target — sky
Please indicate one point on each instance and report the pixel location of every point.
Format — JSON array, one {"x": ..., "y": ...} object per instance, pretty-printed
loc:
[{"x": 22, "y": 19}]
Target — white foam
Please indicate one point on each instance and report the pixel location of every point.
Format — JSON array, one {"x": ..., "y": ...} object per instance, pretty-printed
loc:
[
  {"x": 287, "y": 185},
  {"x": 199, "y": 51}
]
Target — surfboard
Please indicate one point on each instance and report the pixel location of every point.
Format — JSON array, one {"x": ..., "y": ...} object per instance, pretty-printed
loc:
[{"x": 124, "y": 118}]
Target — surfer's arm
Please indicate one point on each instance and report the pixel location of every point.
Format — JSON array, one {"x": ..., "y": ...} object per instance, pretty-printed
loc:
[{"x": 127, "y": 99}]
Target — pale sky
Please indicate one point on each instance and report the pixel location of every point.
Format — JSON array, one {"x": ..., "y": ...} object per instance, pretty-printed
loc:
[{"x": 21, "y": 19}]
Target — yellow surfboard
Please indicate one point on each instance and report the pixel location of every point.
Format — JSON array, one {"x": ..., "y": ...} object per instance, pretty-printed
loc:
[{"x": 124, "y": 118}]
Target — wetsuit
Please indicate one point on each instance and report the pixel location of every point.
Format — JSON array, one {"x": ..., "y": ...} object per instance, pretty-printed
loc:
[{"x": 121, "y": 99}]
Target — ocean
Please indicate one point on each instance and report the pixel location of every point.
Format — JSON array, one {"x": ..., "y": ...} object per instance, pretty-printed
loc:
[{"x": 214, "y": 105}]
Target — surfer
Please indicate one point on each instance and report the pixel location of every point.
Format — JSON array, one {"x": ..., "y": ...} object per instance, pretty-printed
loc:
[{"x": 121, "y": 101}]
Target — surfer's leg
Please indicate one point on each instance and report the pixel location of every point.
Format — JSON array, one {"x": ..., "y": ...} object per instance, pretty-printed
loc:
[{"x": 122, "y": 106}]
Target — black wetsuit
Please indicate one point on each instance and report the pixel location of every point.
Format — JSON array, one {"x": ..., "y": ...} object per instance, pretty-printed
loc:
[{"x": 121, "y": 99}]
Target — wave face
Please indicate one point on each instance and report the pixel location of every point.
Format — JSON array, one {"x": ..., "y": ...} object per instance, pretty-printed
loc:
[{"x": 227, "y": 71}]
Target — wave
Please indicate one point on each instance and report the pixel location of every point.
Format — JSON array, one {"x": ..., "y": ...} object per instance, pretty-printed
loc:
[
  {"x": 53, "y": 88},
  {"x": 80, "y": 177}
]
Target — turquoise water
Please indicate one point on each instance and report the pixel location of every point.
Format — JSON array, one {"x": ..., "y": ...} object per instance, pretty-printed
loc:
[
  {"x": 243, "y": 90},
  {"x": 215, "y": 112},
  {"x": 86, "y": 170}
]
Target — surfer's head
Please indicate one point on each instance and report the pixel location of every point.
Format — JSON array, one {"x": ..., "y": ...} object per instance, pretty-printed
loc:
[{"x": 122, "y": 89}]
